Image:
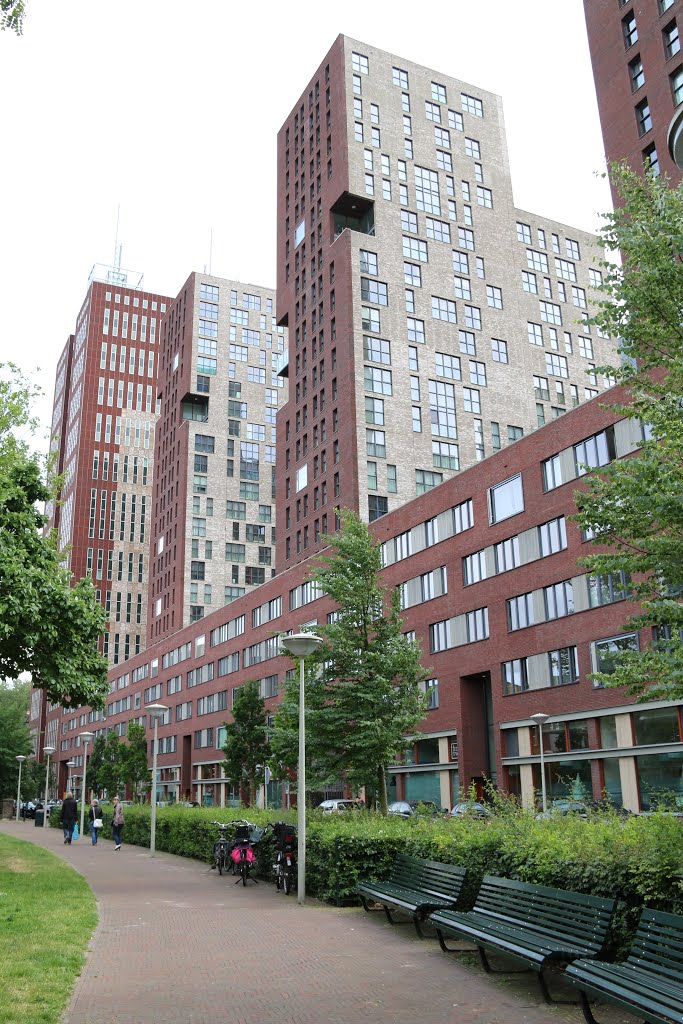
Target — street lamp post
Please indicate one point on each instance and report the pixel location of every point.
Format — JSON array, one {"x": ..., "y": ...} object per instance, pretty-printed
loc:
[
  {"x": 20, "y": 758},
  {"x": 47, "y": 751},
  {"x": 155, "y": 711},
  {"x": 69, "y": 765},
  {"x": 539, "y": 718},
  {"x": 85, "y": 737},
  {"x": 299, "y": 645}
]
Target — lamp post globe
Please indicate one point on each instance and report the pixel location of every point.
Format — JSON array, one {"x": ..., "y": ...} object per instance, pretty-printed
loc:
[
  {"x": 20, "y": 758},
  {"x": 540, "y": 718},
  {"x": 299, "y": 646},
  {"x": 69, "y": 765},
  {"x": 85, "y": 739},
  {"x": 155, "y": 712}
]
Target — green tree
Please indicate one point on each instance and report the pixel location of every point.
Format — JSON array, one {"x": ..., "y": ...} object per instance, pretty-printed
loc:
[
  {"x": 96, "y": 759},
  {"x": 246, "y": 745},
  {"x": 134, "y": 764},
  {"x": 634, "y": 506},
  {"x": 12, "y": 14},
  {"x": 112, "y": 764},
  {"x": 362, "y": 693},
  {"x": 48, "y": 627},
  {"x": 15, "y": 737}
]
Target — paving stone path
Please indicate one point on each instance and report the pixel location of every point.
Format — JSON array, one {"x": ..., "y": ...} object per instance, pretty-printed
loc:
[{"x": 178, "y": 944}]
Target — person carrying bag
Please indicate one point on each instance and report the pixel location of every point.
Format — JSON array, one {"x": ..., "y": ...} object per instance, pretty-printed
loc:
[{"x": 95, "y": 819}]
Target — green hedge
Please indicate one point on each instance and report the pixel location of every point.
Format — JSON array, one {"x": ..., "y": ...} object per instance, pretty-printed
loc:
[{"x": 637, "y": 860}]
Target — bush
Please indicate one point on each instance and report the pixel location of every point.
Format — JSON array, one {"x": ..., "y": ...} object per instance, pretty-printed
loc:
[{"x": 637, "y": 861}]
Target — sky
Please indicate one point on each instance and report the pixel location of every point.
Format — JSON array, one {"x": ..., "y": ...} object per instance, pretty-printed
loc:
[{"x": 168, "y": 111}]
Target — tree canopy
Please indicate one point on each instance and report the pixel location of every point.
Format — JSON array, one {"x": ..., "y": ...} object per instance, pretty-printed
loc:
[
  {"x": 362, "y": 686},
  {"x": 15, "y": 737},
  {"x": 12, "y": 14},
  {"x": 48, "y": 627},
  {"x": 246, "y": 742},
  {"x": 634, "y": 506}
]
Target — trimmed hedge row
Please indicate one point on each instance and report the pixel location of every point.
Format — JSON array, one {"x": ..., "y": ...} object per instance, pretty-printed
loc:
[{"x": 638, "y": 861}]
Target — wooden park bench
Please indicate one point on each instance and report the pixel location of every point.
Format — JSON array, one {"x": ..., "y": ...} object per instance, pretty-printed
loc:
[
  {"x": 649, "y": 983},
  {"x": 416, "y": 887},
  {"x": 531, "y": 924}
]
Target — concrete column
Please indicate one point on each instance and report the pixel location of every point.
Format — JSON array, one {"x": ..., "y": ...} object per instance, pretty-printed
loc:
[
  {"x": 627, "y": 765},
  {"x": 526, "y": 771},
  {"x": 444, "y": 774}
]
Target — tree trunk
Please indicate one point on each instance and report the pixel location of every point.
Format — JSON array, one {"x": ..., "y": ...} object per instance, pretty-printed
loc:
[{"x": 382, "y": 789}]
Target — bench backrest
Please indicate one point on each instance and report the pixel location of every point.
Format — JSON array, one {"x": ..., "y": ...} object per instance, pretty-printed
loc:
[
  {"x": 573, "y": 916},
  {"x": 428, "y": 876},
  {"x": 658, "y": 945}
]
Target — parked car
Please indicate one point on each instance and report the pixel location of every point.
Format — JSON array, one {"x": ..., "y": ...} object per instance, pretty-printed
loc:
[
  {"x": 470, "y": 809},
  {"x": 560, "y": 807},
  {"x": 338, "y": 806},
  {"x": 408, "y": 808}
]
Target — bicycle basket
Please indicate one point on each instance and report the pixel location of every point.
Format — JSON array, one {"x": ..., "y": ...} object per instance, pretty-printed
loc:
[{"x": 242, "y": 833}]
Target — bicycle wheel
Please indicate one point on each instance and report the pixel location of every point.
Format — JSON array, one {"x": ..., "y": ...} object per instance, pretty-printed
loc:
[
  {"x": 221, "y": 861},
  {"x": 244, "y": 866},
  {"x": 288, "y": 879},
  {"x": 278, "y": 875}
]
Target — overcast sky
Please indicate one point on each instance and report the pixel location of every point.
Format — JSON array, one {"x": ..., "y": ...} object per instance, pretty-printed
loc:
[{"x": 170, "y": 109}]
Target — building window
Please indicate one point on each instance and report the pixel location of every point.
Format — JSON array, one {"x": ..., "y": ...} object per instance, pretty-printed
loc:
[
  {"x": 514, "y": 676},
  {"x": 605, "y": 653},
  {"x": 672, "y": 42},
  {"x": 643, "y": 117},
  {"x": 377, "y": 506},
  {"x": 499, "y": 350},
  {"x": 637, "y": 73},
  {"x": 520, "y": 612},
  {"x": 360, "y": 63},
  {"x": 608, "y": 589},
  {"x": 425, "y": 480},
  {"x": 630, "y": 30},
  {"x": 676, "y": 79},
  {"x": 552, "y": 537},
  {"x": 563, "y": 666},
  {"x": 506, "y": 499},
  {"x": 651, "y": 160}
]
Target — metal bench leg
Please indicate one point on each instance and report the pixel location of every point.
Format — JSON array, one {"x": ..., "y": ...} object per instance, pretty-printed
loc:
[
  {"x": 565, "y": 1002},
  {"x": 585, "y": 1006},
  {"x": 418, "y": 926},
  {"x": 442, "y": 943},
  {"x": 507, "y": 970}
]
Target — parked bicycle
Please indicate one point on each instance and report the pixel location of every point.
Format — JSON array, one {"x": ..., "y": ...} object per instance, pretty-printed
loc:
[
  {"x": 242, "y": 855},
  {"x": 284, "y": 866},
  {"x": 222, "y": 848}
]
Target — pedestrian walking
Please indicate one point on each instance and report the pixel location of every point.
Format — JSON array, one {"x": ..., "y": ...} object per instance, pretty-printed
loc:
[
  {"x": 117, "y": 823},
  {"x": 95, "y": 819},
  {"x": 69, "y": 817}
]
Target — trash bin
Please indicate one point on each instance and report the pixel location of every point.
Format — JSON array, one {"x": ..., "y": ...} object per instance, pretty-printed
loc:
[{"x": 40, "y": 819}]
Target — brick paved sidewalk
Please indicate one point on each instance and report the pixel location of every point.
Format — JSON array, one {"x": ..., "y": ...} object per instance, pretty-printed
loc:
[{"x": 178, "y": 944}]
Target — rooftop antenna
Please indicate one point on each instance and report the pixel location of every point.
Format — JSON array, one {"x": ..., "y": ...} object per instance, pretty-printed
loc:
[{"x": 210, "y": 248}]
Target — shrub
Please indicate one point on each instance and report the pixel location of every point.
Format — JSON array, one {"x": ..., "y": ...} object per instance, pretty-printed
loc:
[{"x": 637, "y": 861}]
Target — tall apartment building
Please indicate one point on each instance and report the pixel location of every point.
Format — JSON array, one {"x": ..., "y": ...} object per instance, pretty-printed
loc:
[
  {"x": 431, "y": 322},
  {"x": 103, "y": 422},
  {"x": 213, "y": 530},
  {"x": 635, "y": 50}
]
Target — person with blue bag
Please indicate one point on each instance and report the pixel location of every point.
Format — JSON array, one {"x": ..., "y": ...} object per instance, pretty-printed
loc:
[{"x": 69, "y": 818}]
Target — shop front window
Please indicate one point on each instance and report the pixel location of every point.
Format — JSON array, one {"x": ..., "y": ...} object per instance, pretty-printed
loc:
[
  {"x": 659, "y": 725},
  {"x": 660, "y": 779}
]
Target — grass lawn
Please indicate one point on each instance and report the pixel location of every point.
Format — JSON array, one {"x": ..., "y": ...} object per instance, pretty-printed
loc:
[{"x": 47, "y": 915}]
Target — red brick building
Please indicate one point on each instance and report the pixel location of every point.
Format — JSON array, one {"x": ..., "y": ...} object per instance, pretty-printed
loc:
[
  {"x": 638, "y": 68},
  {"x": 508, "y": 623}
]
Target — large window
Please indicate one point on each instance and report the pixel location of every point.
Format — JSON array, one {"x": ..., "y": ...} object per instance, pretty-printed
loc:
[
  {"x": 442, "y": 409},
  {"x": 595, "y": 451},
  {"x": 506, "y": 499},
  {"x": 606, "y": 652},
  {"x": 661, "y": 725},
  {"x": 608, "y": 589}
]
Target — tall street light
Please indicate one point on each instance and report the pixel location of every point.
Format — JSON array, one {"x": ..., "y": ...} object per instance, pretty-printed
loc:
[
  {"x": 85, "y": 738},
  {"x": 155, "y": 711},
  {"x": 20, "y": 758},
  {"x": 300, "y": 645},
  {"x": 69, "y": 765},
  {"x": 47, "y": 751},
  {"x": 539, "y": 718}
]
